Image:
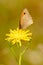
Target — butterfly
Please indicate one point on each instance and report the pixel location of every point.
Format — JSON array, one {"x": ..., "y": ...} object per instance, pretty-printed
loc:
[{"x": 25, "y": 19}]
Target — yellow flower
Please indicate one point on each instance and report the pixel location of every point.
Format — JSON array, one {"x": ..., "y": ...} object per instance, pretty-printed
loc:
[{"x": 18, "y": 35}]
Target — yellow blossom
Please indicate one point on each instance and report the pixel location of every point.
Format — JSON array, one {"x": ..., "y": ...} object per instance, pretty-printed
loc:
[{"x": 17, "y": 35}]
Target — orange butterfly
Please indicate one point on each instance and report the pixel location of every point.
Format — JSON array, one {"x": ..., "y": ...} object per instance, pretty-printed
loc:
[{"x": 25, "y": 19}]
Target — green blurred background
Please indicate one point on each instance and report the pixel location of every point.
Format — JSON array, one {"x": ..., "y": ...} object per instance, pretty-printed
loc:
[{"x": 10, "y": 11}]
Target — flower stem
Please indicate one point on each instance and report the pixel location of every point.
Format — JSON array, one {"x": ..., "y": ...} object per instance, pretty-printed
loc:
[
  {"x": 20, "y": 59},
  {"x": 20, "y": 56}
]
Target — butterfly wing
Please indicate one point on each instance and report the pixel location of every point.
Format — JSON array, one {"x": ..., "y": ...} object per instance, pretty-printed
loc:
[{"x": 25, "y": 19}]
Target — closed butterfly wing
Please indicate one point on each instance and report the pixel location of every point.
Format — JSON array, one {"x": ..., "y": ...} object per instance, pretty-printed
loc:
[{"x": 25, "y": 19}]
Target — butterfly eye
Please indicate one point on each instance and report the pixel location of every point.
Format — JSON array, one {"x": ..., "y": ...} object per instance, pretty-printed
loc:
[{"x": 24, "y": 13}]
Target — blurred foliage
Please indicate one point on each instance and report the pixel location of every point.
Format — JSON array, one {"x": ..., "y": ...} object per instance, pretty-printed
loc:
[{"x": 10, "y": 11}]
